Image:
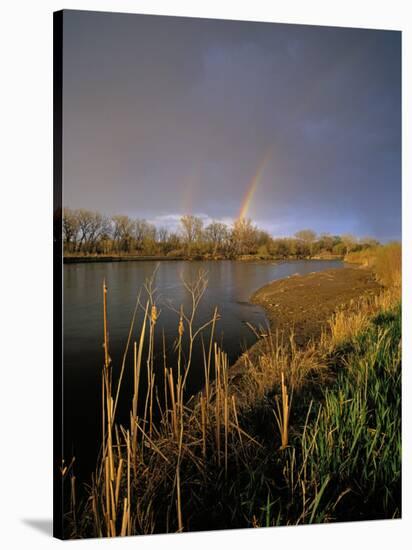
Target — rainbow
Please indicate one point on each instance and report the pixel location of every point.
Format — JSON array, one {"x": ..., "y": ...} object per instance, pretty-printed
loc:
[{"x": 254, "y": 182}]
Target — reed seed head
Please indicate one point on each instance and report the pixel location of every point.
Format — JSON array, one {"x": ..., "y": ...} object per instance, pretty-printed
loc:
[
  {"x": 181, "y": 327},
  {"x": 154, "y": 315}
]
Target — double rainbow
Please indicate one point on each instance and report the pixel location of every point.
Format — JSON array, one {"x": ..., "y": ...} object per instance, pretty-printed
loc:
[{"x": 253, "y": 185}]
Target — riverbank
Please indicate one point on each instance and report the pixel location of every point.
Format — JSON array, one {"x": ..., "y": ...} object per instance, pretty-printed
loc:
[
  {"x": 305, "y": 303},
  {"x": 76, "y": 259},
  {"x": 115, "y": 258}
]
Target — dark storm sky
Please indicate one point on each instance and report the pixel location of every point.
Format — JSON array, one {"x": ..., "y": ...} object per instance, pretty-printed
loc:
[{"x": 165, "y": 116}]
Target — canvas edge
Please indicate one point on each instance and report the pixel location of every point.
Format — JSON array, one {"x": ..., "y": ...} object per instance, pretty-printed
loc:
[{"x": 58, "y": 493}]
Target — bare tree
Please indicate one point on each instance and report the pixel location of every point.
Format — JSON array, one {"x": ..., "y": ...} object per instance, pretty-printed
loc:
[
  {"x": 70, "y": 229},
  {"x": 349, "y": 242},
  {"x": 280, "y": 248},
  {"x": 326, "y": 242},
  {"x": 174, "y": 242},
  {"x": 122, "y": 233},
  {"x": 139, "y": 232},
  {"x": 244, "y": 236},
  {"x": 85, "y": 221},
  {"x": 150, "y": 239},
  {"x": 191, "y": 227},
  {"x": 85, "y": 231},
  {"x": 162, "y": 235},
  {"x": 100, "y": 226},
  {"x": 308, "y": 237},
  {"x": 144, "y": 235},
  {"x": 216, "y": 234}
]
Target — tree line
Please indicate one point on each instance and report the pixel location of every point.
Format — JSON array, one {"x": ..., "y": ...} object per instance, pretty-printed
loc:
[{"x": 92, "y": 233}]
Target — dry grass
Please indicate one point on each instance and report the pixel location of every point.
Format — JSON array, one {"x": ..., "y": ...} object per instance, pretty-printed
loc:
[
  {"x": 347, "y": 323},
  {"x": 282, "y": 413},
  {"x": 385, "y": 260},
  {"x": 278, "y": 356},
  {"x": 389, "y": 265}
]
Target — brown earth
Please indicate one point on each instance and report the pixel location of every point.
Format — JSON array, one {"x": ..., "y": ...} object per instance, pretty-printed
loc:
[{"x": 304, "y": 303}]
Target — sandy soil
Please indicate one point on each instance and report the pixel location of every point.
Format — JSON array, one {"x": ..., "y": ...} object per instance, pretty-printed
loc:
[{"x": 304, "y": 303}]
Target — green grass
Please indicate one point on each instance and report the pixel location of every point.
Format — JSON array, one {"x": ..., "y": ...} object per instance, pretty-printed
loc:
[{"x": 345, "y": 464}]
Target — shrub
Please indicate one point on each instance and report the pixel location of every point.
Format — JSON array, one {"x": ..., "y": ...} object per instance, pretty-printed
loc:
[{"x": 386, "y": 262}]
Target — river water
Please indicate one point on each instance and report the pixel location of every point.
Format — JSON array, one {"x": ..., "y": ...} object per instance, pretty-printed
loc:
[{"x": 230, "y": 285}]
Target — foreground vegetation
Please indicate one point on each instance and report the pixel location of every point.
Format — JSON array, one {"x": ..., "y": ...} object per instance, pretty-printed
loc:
[
  {"x": 88, "y": 233},
  {"x": 307, "y": 434}
]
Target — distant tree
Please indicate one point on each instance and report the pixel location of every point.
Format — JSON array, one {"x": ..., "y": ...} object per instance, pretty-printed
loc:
[
  {"x": 144, "y": 235},
  {"x": 162, "y": 235},
  {"x": 302, "y": 248},
  {"x": 162, "y": 239},
  {"x": 279, "y": 248},
  {"x": 85, "y": 231},
  {"x": 306, "y": 235},
  {"x": 349, "y": 242},
  {"x": 326, "y": 242},
  {"x": 84, "y": 218},
  {"x": 70, "y": 229},
  {"x": 368, "y": 242},
  {"x": 191, "y": 228},
  {"x": 339, "y": 248},
  {"x": 150, "y": 239},
  {"x": 263, "y": 242},
  {"x": 104, "y": 244},
  {"x": 122, "y": 233},
  {"x": 263, "y": 238},
  {"x": 91, "y": 226},
  {"x": 216, "y": 234},
  {"x": 244, "y": 236},
  {"x": 291, "y": 243},
  {"x": 100, "y": 227},
  {"x": 138, "y": 232},
  {"x": 174, "y": 243}
]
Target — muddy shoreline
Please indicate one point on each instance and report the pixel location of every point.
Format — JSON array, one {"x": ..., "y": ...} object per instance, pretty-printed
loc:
[{"x": 304, "y": 303}]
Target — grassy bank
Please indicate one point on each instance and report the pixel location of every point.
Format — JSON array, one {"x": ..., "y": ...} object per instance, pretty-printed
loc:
[
  {"x": 306, "y": 434},
  {"x": 386, "y": 261}
]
